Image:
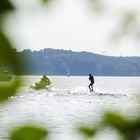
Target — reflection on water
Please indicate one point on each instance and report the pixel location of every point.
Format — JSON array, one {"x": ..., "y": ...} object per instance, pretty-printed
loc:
[{"x": 68, "y": 103}]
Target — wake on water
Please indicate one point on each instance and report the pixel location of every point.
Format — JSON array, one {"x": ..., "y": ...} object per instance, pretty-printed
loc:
[{"x": 77, "y": 91}]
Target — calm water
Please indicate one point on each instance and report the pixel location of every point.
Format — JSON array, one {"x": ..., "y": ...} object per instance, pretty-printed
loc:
[{"x": 69, "y": 104}]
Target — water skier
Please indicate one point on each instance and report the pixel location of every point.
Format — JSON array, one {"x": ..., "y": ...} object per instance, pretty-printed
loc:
[{"x": 91, "y": 78}]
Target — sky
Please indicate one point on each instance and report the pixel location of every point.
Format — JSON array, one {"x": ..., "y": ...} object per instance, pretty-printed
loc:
[{"x": 71, "y": 25}]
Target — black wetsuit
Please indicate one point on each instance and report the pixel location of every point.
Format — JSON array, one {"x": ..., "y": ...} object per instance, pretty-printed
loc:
[{"x": 92, "y": 82}]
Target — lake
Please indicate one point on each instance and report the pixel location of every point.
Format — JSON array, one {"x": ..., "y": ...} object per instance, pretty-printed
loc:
[{"x": 69, "y": 104}]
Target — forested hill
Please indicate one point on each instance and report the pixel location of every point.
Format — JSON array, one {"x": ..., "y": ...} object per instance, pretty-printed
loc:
[{"x": 56, "y": 62}]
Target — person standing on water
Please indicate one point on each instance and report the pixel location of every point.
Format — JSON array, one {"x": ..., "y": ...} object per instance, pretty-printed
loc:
[{"x": 91, "y": 78}]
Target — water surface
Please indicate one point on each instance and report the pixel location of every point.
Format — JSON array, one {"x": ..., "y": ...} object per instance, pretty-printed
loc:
[{"x": 69, "y": 104}]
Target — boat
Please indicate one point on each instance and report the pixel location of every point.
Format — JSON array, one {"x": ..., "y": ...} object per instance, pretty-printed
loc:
[
  {"x": 44, "y": 83},
  {"x": 68, "y": 73}
]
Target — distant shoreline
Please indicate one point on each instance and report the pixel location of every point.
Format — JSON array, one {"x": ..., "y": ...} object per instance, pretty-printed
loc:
[
  {"x": 75, "y": 75},
  {"x": 58, "y": 62}
]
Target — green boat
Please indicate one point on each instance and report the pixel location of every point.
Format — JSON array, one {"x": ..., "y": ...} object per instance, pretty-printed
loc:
[{"x": 5, "y": 76}]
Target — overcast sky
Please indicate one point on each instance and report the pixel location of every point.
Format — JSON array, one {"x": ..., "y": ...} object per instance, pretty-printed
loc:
[{"x": 71, "y": 25}]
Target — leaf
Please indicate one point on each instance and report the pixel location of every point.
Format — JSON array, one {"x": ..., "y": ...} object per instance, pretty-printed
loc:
[
  {"x": 87, "y": 132},
  {"x": 5, "y": 6},
  {"x": 97, "y": 6},
  {"x": 129, "y": 129},
  {"x": 117, "y": 121},
  {"x": 45, "y": 1},
  {"x": 8, "y": 91},
  {"x": 28, "y": 133},
  {"x": 9, "y": 58},
  {"x": 129, "y": 18}
]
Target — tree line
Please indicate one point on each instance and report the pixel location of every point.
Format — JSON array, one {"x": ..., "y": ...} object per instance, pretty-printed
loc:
[{"x": 57, "y": 62}]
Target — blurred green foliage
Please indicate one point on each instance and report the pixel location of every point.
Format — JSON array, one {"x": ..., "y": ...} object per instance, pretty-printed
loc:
[
  {"x": 129, "y": 129},
  {"x": 8, "y": 58},
  {"x": 87, "y": 131},
  {"x": 98, "y": 6},
  {"x": 128, "y": 19},
  {"x": 45, "y": 1},
  {"x": 29, "y": 133},
  {"x": 128, "y": 26},
  {"x": 5, "y": 6},
  {"x": 8, "y": 55}
]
